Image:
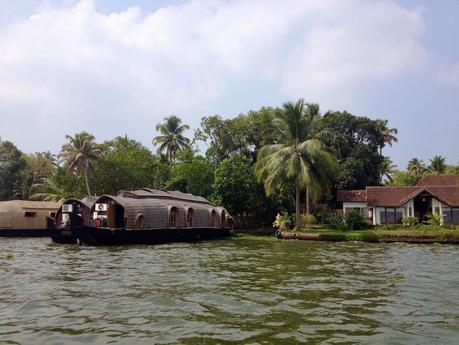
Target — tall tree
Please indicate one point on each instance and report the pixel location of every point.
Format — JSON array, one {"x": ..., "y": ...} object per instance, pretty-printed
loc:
[
  {"x": 437, "y": 164},
  {"x": 11, "y": 164},
  {"x": 389, "y": 134},
  {"x": 415, "y": 166},
  {"x": 79, "y": 154},
  {"x": 355, "y": 141},
  {"x": 300, "y": 156},
  {"x": 171, "y": 139}
]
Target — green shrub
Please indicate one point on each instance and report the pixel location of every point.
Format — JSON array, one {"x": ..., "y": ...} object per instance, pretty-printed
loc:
[
  {"x": 434, "y": 218},
  {"x": 307, "y": 219},
  {"x": 409, "y": 221},
  {"x": 354, "y": 220},
  {"x": 283, "y": 221}
]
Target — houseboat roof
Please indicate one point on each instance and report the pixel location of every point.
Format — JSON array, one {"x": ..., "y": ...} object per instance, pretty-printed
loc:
[
  {"x": 29, "y": 205},
  {"x": 148, "y": 193}
]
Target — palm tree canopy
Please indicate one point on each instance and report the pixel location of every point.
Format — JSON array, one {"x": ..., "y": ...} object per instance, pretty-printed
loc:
[
  {"x": 80, "y": 153},
  {"x": 387, "y": 169},
  {"x": 171, "y": 139},
  {"x": 301, "y": 155},
  {"x": 389, "y": 134},
  {"x": 415, "y": 166},
  {"x": 47, "y": 190},
  {"x": 438, "y": 164}
]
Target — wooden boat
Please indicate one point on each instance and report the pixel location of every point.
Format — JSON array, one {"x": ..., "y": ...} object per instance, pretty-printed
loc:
[
  {"x": 148, "y": 216},
  {"x": 24, "y": 218},
  {"x": 72, "y": 214}
]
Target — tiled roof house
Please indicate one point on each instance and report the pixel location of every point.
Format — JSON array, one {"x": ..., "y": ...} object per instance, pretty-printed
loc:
[{"x": 387, "y": 204}]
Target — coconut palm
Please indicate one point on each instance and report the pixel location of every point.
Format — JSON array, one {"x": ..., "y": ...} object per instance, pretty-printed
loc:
[
  {"x": 389, "y": 134},
  {"x": 437, "y": 165},
  {"x": 80, "y": 153},
  {"x": 171, "y": 139},
  {"x": 415, "y": 166},
  {"x": 300, "y": 157},
  {"x": 387, "y": 170},
  {"x": 47, "y": 190}
]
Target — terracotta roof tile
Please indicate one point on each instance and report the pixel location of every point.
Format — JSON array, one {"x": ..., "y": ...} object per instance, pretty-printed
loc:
[
  {"x": 439, "y": 180},
  {"x": 356, "y": 195},
  {"x": 397, "y": 196}
]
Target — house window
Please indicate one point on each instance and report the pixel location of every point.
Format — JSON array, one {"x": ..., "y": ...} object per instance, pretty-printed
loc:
[
  {"x": 30, "y": 214},
  {"x": 213, "y": 219},
  {"x": 189, "y": 217},
  {"x": 173, "y": 217}
]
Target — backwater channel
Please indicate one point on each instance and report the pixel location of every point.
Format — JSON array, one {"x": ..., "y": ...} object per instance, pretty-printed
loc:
[{"x": 238, "y": 291}]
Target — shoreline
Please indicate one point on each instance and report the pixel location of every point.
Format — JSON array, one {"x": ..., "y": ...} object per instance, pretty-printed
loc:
[{"x": 378, "y": 236}]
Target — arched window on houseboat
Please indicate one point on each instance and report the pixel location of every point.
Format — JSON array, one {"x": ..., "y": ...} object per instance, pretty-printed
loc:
[
  {"x": 213, "y": 219},
  {"x": 190, "y": 217},
  {"x": 139, "y": 221},
  {"x": 173, "y": 217},
  {"x": 223, "y": 219}
]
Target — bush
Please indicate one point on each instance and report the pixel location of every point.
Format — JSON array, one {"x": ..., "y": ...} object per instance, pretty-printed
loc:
[
  {"x": 307, "y": 219},
  {"x": 434, "y": 218},
  {"x": 283, "y": 221},
  {"x": 410, "y": 221},
  {"x": 354, "y": 220}
]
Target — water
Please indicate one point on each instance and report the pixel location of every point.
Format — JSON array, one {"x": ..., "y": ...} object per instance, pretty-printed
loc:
[{"x": 229, "y": 292}]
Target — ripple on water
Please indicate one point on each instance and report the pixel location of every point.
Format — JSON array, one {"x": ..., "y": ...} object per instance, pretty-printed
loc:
[{"x": 235, "y": 291}]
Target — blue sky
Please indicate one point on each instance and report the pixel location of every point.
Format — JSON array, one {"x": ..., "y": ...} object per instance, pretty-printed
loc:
[{"x": 118, "y": 67}]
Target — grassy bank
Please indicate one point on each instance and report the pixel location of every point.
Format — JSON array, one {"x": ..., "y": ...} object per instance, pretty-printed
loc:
[{"x": 412, "y": 235}]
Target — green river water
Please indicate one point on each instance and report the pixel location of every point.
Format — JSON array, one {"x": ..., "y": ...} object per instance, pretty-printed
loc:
[{"x": 237, "y": 291}]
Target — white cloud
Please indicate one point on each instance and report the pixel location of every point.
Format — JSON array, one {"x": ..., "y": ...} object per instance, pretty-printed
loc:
[
  {"x": 449, "y": 75},
  {"x": 70, "y": 68},
  {"x": 360, "y": 44}
]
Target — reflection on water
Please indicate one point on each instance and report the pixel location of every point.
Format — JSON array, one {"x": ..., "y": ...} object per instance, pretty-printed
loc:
[{"x": 234, "y": 291}]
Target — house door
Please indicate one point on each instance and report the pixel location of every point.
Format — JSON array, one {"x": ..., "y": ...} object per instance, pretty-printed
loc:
[{"x": 422, "y": 205}]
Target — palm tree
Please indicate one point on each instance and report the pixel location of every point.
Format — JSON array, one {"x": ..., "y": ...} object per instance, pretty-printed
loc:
[
  {"x": 415, "y": 166},
  {"x": 389, "y": 134},
  {"x": 171, "y": 139},
  {"x": 47, "y": 190},
  {"x": 300, "y": 156},
  {"x": 80, "y": 153},
  {"x": 437, "y": 164},
  {"x": 387, "y": 169}
]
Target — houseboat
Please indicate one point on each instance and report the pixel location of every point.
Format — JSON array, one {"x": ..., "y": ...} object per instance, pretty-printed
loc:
[
  {"x": 72, "y": 214},
  {"x": 24, "y": 218},
  {"x": 149, "y": 216}
]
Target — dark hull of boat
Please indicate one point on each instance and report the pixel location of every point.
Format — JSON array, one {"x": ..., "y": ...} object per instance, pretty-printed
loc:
[
  {"x": 105, "y": 236},
  {"x": 63, "y": 236},
  {"x": 24, "y": 232}
]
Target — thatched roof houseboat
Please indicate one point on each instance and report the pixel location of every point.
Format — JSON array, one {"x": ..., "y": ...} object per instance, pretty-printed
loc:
[
  {"x": 73, "y": 213},
  {"x": 153, "y": 216},
  {"x": 23, "y": 218}
]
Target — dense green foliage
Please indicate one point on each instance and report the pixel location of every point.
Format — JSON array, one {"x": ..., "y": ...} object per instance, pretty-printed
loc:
[{"x": 225, "y": 172}]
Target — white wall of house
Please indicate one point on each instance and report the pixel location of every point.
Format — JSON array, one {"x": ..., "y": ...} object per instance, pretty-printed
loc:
[{"x": 353, "y": 204}]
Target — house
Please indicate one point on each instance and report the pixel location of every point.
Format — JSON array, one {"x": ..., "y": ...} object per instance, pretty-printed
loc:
[{"x": 389, "y": 204}]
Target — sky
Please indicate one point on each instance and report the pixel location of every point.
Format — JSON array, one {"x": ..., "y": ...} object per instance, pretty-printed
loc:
[{"x": 114, "y": 67}]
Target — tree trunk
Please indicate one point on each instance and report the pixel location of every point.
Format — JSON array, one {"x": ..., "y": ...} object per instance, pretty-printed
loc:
[
  {"x": 307, "y": 200},
  {"x": 87, "y": 183},
  {"x": 297, "y": 207}
]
